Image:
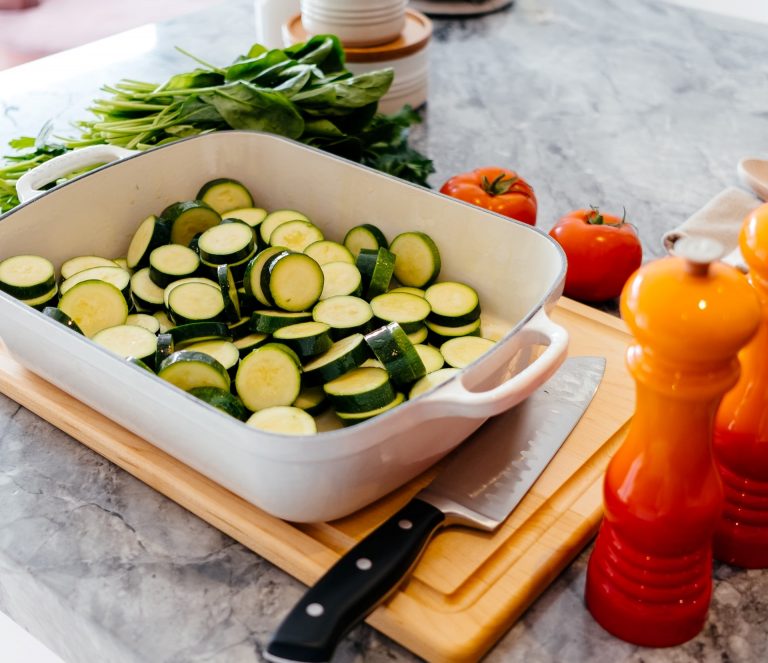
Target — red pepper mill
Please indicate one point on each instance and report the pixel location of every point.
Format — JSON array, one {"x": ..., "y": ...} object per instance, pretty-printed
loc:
[
  {"x": 649, "y": 579},
  {"x": 741, "y": 425}
]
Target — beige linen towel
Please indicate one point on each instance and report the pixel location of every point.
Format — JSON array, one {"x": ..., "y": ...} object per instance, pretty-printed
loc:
[{"x": 720, "y": 219}]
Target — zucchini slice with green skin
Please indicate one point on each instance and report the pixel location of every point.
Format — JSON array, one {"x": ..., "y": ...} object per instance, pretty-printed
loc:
[
  {"x": 225, "y": 352},
  {"x": 431, "y": 357},
  {"x": 420, "y": 335},
  {"x": 223, "y": 400},
  {"x": 43, "y": 301},
  {"x": 79, "y": 263},
  {"x": 268, "y": 376},
  {"x": 195, "y": 332},
  {"x": 453, "y": 304},
  {"x": 229, "y": 294},
  {"x": 152, "y": 232},
  {"x": 226, "y": 243},
  {"x": 439, "y": 334},
  {"x": 344, "y": 355},
  {"x": 275, "y": 218},
  {"x": 410, "y": 290},
  {"x": 341, "y": 278},
  {"x": 463, "y": 350},
  {"x": 165, "y": 322},
  {"x": 431, "y": 380},
  {"x": 237, "y": 268},
  {"x": 245, "y": 344},
  {"x": 145, "y": 293},
  {"x": 390, "y": 345},
  {"x": 253, "y": 216},
  {"x": 306, "y": 339},
  {"x": 350, "y": 418},
  {"x": 59, "y": 316},
  {"x": 360, "y": 390},
  {"x": 292, "y": 281},
  {"x": 145, "y": 320},
  {"x": 129, "y": 341},
  {"x": 137, "y": 362},
  {"x": 410, "y": 311},
  {"x": 418, "y": 259},
  {"x": 283, "y": 419},
  {"x": 252, "y": 277},
  {"x": 165, "y": 348},
  {"x": 224, "y": 194},
  {"x": 190, "y": 279},
  {"x": 268, "y": 321},
  {"x": 326, "y": 250},
  {"x": 364, "y": 236},
  {"x": 345, "y": 314},
  {"x": 188, "y": 370},
  {"x": 94, "y": 305},
  {"x": 117, "y": 276},
  {"x": 296, "y": 235},
  {"x": 195, "y": 302},
  {"x": 376, "y": 268},
  {"x": 313, "y": 400},
  {"x": 171, "y": 262},
  {"x": 27, "y": 276},
  {"x": 240, "y": 328},
  {"x": 189, "y": 218}
]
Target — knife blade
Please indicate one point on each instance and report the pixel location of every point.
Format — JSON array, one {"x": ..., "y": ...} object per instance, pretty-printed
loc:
[{"x": 480, "y": 485}]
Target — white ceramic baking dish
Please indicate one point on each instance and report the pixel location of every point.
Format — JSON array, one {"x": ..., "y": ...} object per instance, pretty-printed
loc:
[{"x": 518, "y": 271}]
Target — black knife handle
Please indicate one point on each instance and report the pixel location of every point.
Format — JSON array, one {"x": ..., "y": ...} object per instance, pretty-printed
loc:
[{"x": 355, "y": 585}]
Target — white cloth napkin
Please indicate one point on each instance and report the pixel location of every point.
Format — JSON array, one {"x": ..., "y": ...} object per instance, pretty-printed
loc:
[{"x": 720, "y": 219}]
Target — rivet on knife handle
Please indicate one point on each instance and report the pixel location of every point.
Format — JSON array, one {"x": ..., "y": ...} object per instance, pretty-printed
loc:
[{"x": 355, "y": 585}]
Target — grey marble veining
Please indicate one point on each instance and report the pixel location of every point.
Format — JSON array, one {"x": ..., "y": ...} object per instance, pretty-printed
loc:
[{"x": 638, "y": 104}]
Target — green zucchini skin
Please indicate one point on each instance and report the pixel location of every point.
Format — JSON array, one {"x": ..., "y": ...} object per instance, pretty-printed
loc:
[
  {"x": 391, "y": 346},
  {"x": 224, "y": 194},
  {"x": 27, "y": 277},
  {"x": 59, "y": 316},
  {"x": 187, "y": 370},
  {"x": 223, "y": 400},
  {"x": 188, "y": 218}
]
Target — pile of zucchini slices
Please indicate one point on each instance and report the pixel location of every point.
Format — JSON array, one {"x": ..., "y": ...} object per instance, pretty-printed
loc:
[{"x": 258, "y": 314}]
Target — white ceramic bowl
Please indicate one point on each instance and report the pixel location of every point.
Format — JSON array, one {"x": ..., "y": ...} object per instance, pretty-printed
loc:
[
  {"x": 518, "y": 271},
  {"x": 355, "y": 24}
]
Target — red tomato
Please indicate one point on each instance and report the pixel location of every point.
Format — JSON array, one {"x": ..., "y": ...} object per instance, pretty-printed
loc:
[
  {"x": 602, "y": 250},
  {"x": 497, "y": 189}
]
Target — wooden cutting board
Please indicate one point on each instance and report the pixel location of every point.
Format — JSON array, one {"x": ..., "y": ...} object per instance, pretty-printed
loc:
[{"x": 470, "y": 586}]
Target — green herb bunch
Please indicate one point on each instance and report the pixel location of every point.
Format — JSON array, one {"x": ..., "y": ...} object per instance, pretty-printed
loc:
[{"x": 303, "y": 92}]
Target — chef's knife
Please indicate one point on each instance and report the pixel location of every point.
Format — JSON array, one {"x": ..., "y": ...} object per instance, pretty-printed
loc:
[{"x": 480, "y": 485}]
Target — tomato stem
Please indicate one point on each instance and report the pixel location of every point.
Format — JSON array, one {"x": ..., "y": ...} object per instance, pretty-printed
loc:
[
  {"x": 499, "y": 185},
  {"x": 597, "y": 219}
]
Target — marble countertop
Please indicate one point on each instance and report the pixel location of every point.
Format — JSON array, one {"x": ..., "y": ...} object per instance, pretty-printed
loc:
[{"x": 641, "y": 105}]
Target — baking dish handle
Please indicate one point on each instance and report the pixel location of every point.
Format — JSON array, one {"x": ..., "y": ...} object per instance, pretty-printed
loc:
[
  {"x": 455, "y": 399},
  {"x": 30, "y": 184}
]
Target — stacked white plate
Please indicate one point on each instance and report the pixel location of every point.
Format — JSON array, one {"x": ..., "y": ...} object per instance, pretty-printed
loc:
[{"x": 355, "y": 22}]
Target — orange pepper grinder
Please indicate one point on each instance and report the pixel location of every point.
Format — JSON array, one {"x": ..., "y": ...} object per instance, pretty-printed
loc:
[
  {"x": 649, "y": 578},
  {"x": 741, "y": 425}
]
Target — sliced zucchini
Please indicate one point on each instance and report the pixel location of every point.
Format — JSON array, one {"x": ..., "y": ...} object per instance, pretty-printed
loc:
[
  {"x": 360, "y": 390},
  {"x": 312, "y": 400},
  {"x": 410, "y": 311},
  {"x": 165, "y": 322},
  {"x": 79, "y": 263},
  {"x": 274, "y": 219},
  {"x": 27, "y": 276},
  {"x": 463, "y": 350},
  {"x": 325, "y": 251},
  {"x": 253, "y": 216},
  {"x": 165, "y": 347},
  {"x": 364, "y": 236},
  {"x": 145, "y": 293},
  {"x": 420, "y": 335},
  {"x": 431, "y": 380},
  {"x": 453, "y": 304},
  {"x": 152, "y": 232},
  {"x": 129, "y": 341},
  {"x": 43, "y": 301},
  {"x": 410, "y": 290},
  {"x": 195, "y": 302},
  {"x": 269, "y": 321},
  {"x": 171, "y": 262},
  {"x": 189, "y": 218},
  {"x": 229, "y": 294},
  {"x": 431, "y": 357},
  {"x": 376, "y": 267},
  {"x": 225, "y": 352},
  {"x": 343, "y": 356},
  {"x": 418, "y": 259},
  {"x": 439, "y": 334},
  {"x": 292, "y": 281},
  {"x": 245, "y": 344},
  {"x": 224, "y": 194},
  {"x": 196, "y": 332},
  {"x": 188, "y": 370},
  {"x": 295, "y": 235},
  {"x": 226, "y": 243},
  {"x": 94, "y": 305},
  {"x": 372, "y": 363},
  {"x": 121, "y": 262},
  {"x": 350, "y": 418},
  {"x": 306, "y": 339},
  {"x": 190, "y": 279},
  {"x": 237, "y": 268},
  {"x": 390, "y": 345},
  {"x": 59, "y": 316},
  {"x": 345, "y": 314},
  {"x": 283, "y": 419},
  {"x": 341, "y": 278},
  {"x": 252, "y": 278},
  {"x": 223, "y": 400},
  {"x": 149, "y": 322},
  {"x": 240, "y": 328},
  {"x": 137, "y": 362},
  {"x": 268, "y": 376},
  {"x": 115, "y": 275}
]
